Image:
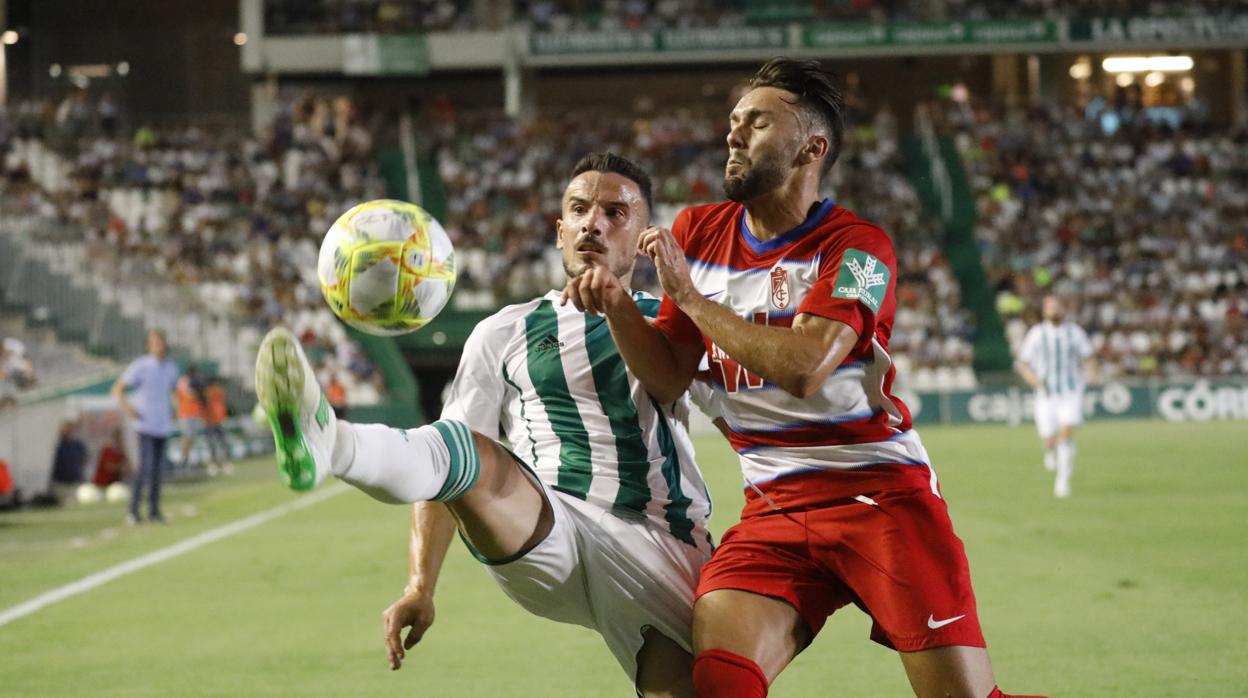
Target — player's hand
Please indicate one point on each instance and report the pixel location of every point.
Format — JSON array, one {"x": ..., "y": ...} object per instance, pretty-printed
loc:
[
  {"x": 596, "y": 290},
  {"x": 414, "y": 610},
  {"x": 669, "y": 260}
]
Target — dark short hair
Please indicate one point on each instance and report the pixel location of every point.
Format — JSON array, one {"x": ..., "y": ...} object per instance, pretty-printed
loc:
[
  {"x": 610, "y": 162},
  {"x": 816, "y": 94}
]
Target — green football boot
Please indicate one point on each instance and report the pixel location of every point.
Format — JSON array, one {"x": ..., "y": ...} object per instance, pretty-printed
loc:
[{"x": 304, "y": 425}]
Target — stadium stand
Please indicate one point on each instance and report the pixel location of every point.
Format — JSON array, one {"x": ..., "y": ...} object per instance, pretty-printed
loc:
[
  {"x": 356, "y": 16},
  {"x": 285, "y": 17},
  {"x": 1008, "y": 9},
  {"x": 207, "y": 235},
  {"x": 176, "y": 207},
  {"x": 1142, "y": 226}
]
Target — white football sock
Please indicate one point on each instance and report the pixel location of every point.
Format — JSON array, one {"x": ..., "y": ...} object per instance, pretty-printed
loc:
[
  {"x": 1050, "y": 459},
  {"x": 1065, "y": 466},
  {"x": 436, "y": 462}
]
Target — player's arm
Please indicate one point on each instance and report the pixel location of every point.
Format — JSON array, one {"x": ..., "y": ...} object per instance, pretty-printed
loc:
[
  {"x": 664, "y": 368},
  {"x": 433, "y": 528},
  {"x": 1087, "y": 353},
  {"x": 477, "y": 398},
  {"x": 118, "y": 392},
  {"x": 797, "y": 358},
  {"x": 1028, "y": 375},
  {"x": 1022, "y": 365}
]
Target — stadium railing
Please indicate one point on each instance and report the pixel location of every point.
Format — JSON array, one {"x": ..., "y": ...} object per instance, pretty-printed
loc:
[
  {"x": 49, "y": 272},
  {"x": 935, "y": 170}
]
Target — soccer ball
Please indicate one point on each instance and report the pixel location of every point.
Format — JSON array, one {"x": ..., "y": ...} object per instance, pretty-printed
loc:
[
  {"x": 88, "y": 493},
  {"x": 386, "y": 267},
  {"x": 117, "y": 492}
]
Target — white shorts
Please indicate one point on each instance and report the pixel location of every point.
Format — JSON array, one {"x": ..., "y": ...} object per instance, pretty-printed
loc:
[
  {"x": 618, "y": 576},
  {"x": 1056, "y": 411}
]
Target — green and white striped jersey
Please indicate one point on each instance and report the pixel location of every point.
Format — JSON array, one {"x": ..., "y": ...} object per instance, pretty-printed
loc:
[
  {"x": 552, "y": 378},
  {"x": 1056, "y": 354}
]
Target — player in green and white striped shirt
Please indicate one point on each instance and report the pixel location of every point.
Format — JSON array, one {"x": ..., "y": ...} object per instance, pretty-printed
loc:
[
  {"x": 1053, "y": 359},
  {"x": 596, "y": 516}
]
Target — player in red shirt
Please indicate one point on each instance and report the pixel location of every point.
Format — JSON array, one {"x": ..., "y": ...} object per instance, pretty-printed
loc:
[{"x": 791, "y": 299}]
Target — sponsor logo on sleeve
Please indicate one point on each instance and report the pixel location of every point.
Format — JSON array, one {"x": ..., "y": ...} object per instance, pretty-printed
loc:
[{"x": 862, "y": 278}]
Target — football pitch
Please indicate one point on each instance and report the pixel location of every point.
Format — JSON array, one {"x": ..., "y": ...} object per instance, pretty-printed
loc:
[{"x": 1136, "y": 586}]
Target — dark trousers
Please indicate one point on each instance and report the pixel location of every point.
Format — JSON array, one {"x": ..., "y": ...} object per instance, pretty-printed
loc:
[
  {"x": 151, "y": 462},
  {"x": 218, "y": 447}
]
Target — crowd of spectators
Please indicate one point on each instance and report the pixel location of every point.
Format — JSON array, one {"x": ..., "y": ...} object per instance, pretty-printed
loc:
[
  {"x": 1136, "y": 226},
  {"x": 1026, "y": 9},
  {"x": 617, "y": 15},
  {"x": 232, "y": 220},
  {"x": 368, "y": 16},
  {"x": 1145, "y": 229},
  {"x": 632, "y": 15},
  {"x": 504, "y": 181},
  {"x": 413, "y": 16}
]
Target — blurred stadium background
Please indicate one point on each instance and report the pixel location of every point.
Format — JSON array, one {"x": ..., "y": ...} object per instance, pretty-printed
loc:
[{"x": 173, "y": 165}]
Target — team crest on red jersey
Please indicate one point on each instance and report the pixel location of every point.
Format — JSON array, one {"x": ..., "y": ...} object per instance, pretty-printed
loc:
[{"x": 780, "y": 288}]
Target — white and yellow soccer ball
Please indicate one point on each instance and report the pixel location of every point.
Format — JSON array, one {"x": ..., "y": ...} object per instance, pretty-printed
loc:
[{"x": 386, "y": 267}]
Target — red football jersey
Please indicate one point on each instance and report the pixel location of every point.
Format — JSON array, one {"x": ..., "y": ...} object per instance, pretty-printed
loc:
[{"x": 834, "y": 265}]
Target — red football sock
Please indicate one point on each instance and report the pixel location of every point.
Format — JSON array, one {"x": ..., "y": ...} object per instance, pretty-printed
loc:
[
  {"x": 996, "y": 693},
  {"x": 720, "y": 674}
]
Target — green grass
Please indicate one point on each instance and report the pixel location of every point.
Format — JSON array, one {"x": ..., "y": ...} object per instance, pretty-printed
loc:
[{"x": 1137, "y": 586}]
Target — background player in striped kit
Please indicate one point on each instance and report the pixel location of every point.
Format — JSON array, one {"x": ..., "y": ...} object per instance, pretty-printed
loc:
[
  {"x": 1056, "y": 359},
  {"x": 599, "y": 516}
]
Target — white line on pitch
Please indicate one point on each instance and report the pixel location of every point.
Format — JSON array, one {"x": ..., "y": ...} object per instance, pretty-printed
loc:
[{"x": 102, "y": 577}]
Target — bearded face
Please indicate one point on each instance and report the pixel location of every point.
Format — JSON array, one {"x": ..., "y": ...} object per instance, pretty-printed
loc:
[
  {"x": 755, "y": 177},
  {"x": 764, "y": 138}
]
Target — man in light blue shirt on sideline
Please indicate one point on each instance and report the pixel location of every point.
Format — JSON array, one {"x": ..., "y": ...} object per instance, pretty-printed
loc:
[{"x": 150, "y": 380}]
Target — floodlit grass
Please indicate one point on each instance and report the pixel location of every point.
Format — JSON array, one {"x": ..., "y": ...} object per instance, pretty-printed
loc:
[{"x": 1137, "y": 586}]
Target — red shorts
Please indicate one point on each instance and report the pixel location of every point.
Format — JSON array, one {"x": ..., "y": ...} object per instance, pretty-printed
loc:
[{"x": 878, "y": 537}]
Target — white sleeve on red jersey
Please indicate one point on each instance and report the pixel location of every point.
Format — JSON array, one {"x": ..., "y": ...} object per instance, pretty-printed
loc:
[{"x": 856, "y": 275}]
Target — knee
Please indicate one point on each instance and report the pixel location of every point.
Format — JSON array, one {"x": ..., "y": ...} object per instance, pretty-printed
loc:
[
  {"x": 664, "y": 668},
  {"x": 488, "y": 450},
  {"x": 723, "y": 674}
]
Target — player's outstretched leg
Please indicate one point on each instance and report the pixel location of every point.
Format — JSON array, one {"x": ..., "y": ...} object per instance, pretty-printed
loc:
[
  {"x": 436, "y": 462},
  {"x": 742, "y": 641},
  {"x": 953, "y": 672},
  {"x": 304, "y": 426},
  {"x": 950, "y": 672}
]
